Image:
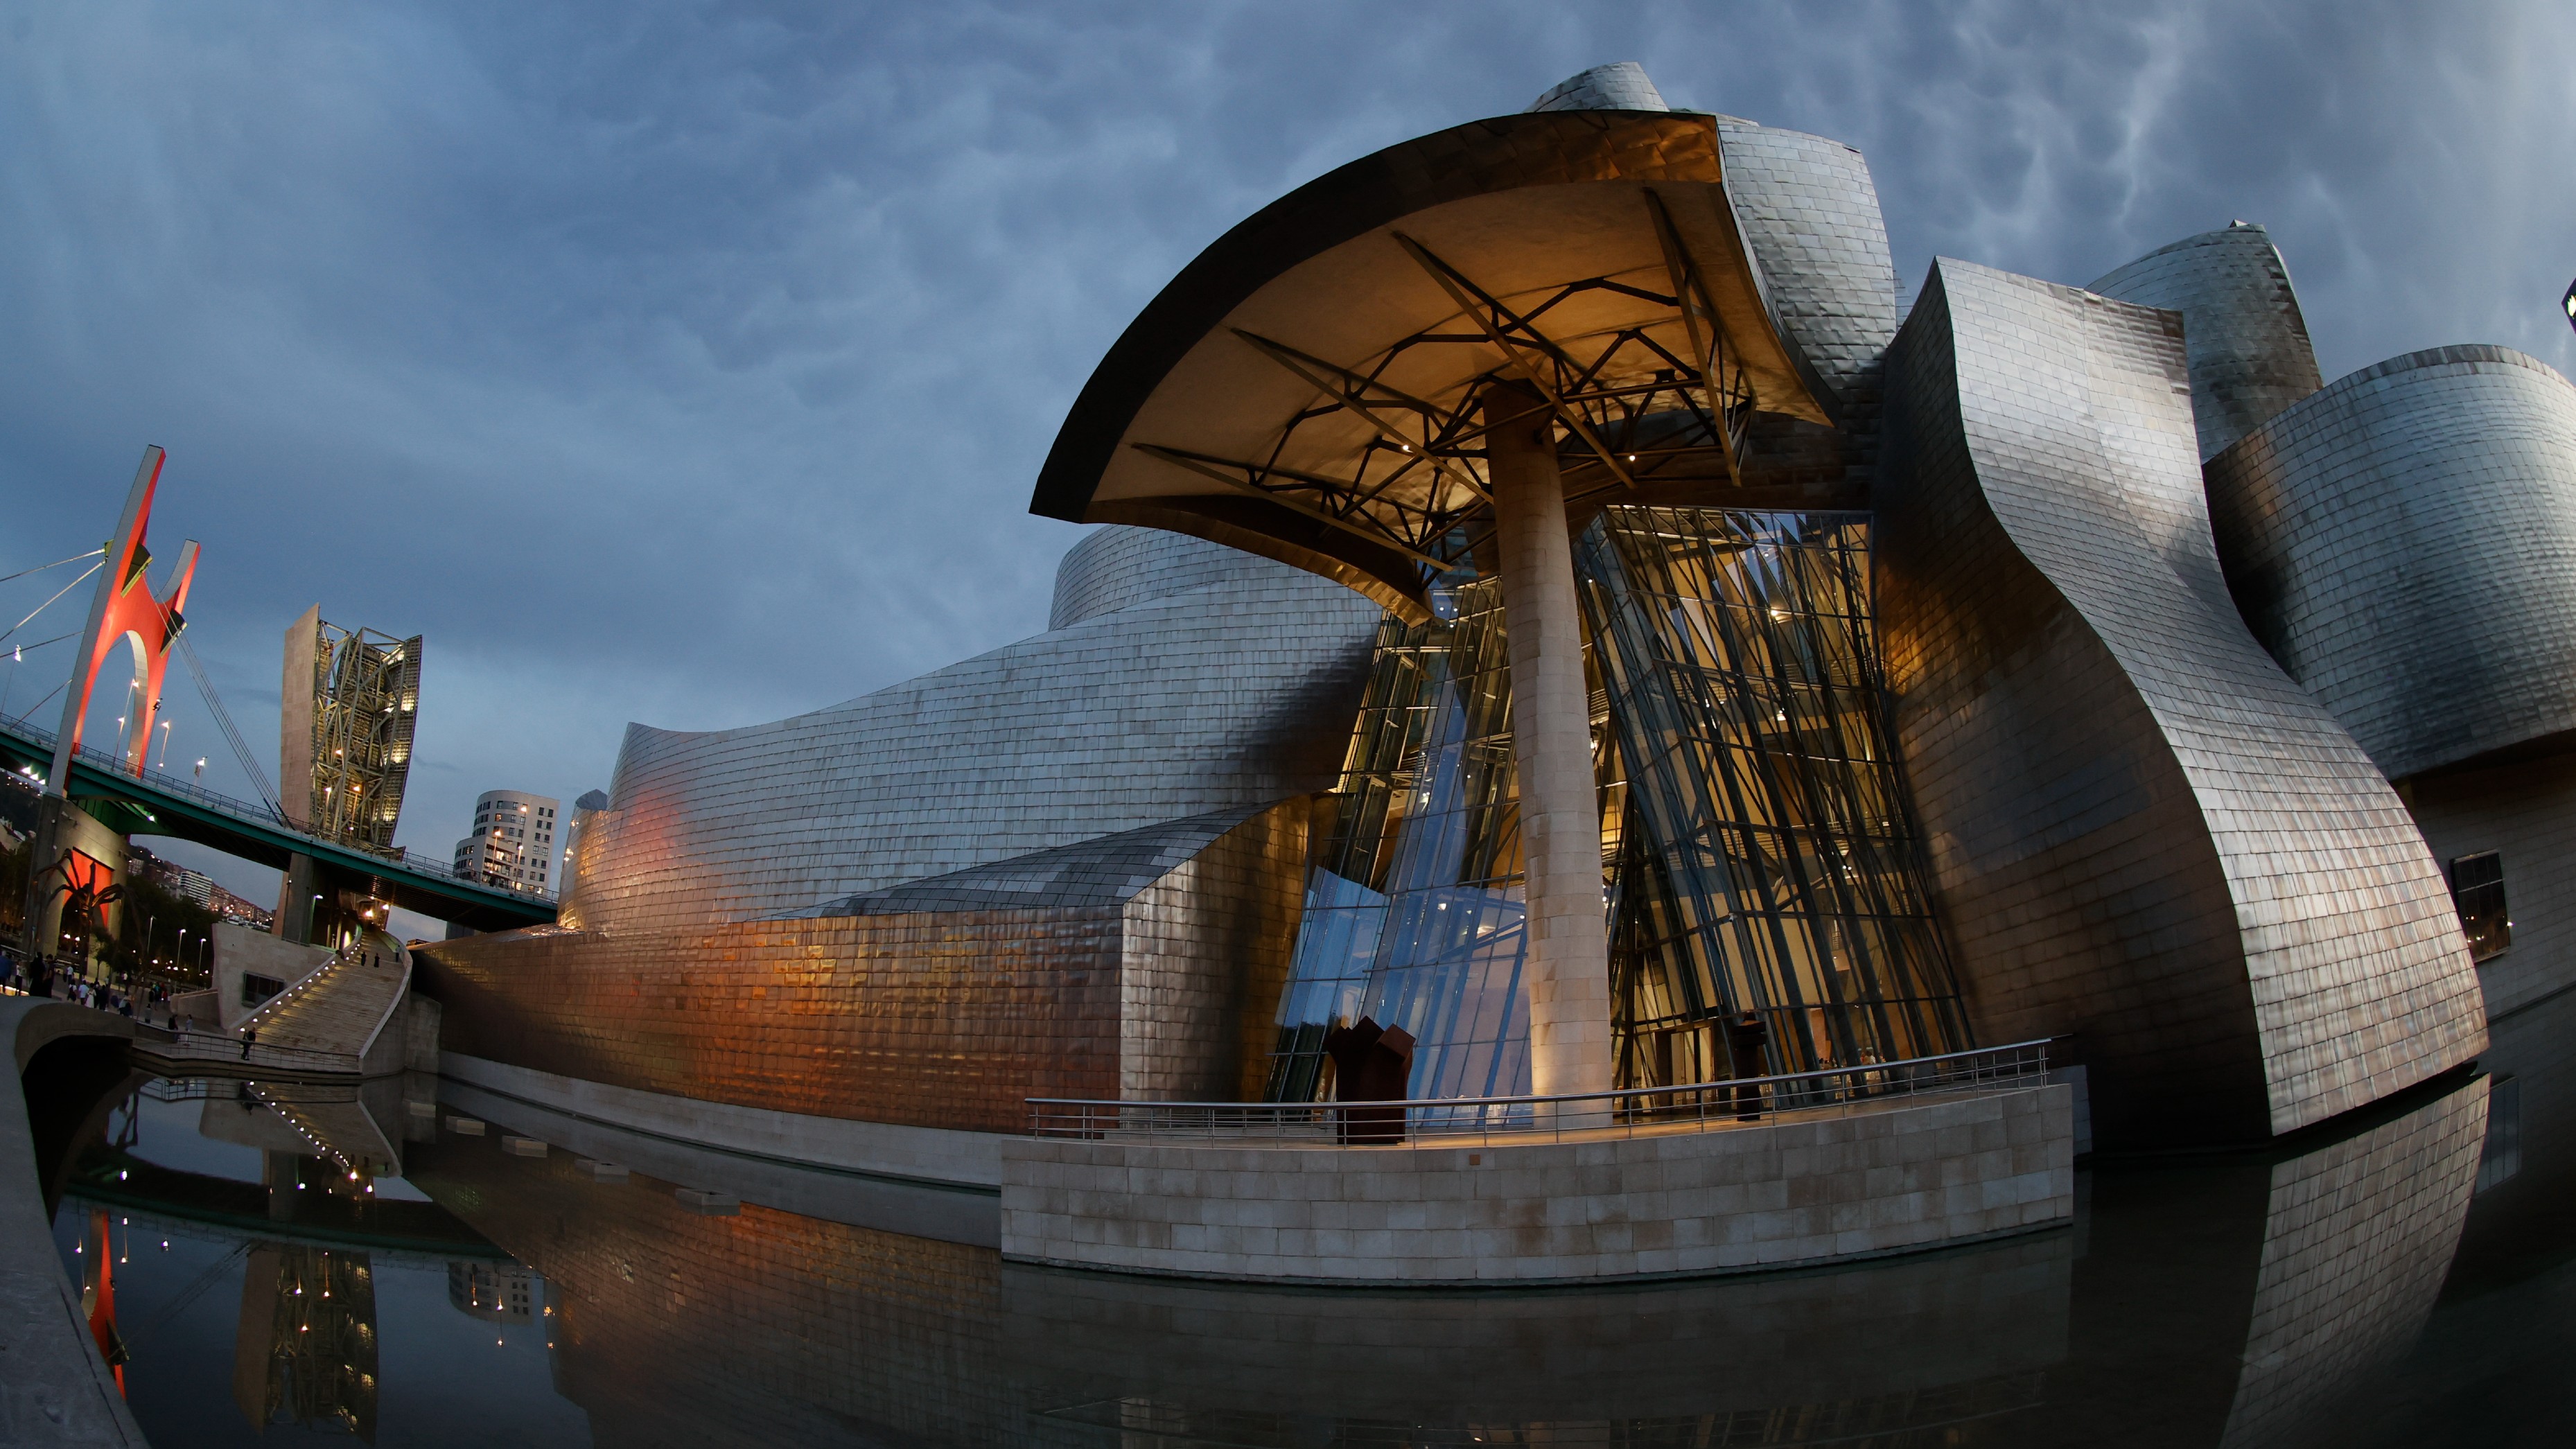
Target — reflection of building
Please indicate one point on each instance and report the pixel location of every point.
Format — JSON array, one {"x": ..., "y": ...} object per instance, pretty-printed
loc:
[
  {"x": 773, "y": 1328},
  {"x": 513, "y": 844},
  {"x": 352, "y": 698},
  {"x": 305, "y": 1353},
  {"x": 496, "y": 1292},
  {"x": 1757, "y": 680}
]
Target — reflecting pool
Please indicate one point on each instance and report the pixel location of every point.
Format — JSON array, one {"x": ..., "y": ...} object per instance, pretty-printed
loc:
[{"x": 281, "y": 1266}]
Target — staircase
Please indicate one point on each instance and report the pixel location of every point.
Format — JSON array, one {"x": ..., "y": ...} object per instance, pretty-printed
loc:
[{"x": 325, "y": 1023}]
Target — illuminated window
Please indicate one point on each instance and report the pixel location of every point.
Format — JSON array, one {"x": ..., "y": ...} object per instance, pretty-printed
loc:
[{"x": 2477, "y": 888}]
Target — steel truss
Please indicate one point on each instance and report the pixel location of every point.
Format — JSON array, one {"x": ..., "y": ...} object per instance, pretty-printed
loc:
[{"x": 1662, "y": 399}]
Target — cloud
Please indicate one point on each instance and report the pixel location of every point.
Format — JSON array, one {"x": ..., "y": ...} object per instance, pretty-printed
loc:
[{"x": 691, "y": 364}]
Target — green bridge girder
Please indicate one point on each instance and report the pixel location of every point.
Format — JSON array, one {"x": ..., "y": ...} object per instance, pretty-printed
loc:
[{"x": 139, "y": 807}]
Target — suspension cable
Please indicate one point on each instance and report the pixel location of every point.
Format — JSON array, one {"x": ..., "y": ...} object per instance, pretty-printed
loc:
[
  {"x": 58, "y": 563},
  {"x": 17, "y": 649},
  {"x": 232, "y": 736},
  {"x": 58, "y": 593},
  {"x": 21, "y": 716}
]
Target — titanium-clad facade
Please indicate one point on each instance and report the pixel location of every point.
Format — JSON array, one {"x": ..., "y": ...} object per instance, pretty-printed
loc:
[
  {"x": 1118, "y": 567},
  {"x": 2143, "y": 832},
  {"x": 1809, "y": 208},
  {"x": 1920, "y": 712},
  {"x": 1620, "y": 86},
  {"x": 2404, "y": 542},
  {"x": 1229, "y": 695},
  {"x": 1141, "y": 965},
  {"x": 2243, "y": 332}
]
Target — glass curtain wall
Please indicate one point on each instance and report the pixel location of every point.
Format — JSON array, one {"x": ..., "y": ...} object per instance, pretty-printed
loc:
[
  {"x": 1413, "y": 901},
  {"x": 1758, "y": 852},
  {"x": 1771, "y": 863}
]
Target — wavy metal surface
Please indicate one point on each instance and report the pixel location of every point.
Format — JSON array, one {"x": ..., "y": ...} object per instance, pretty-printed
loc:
[
  {"x": 1810, "y": 211},
  {"x": 2144, "y": 832},
  {"x": 1621, "y": 85},
  {"x": 1157, "y": 984},
  {"x": 2404, "y": 542},
  {"x": 1119, "y": 567},
  {"x": 1230, "y": 696},
  {"x": 2242, "y": 329}
]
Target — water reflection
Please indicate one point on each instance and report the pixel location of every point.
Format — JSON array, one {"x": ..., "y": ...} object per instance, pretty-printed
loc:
[
  {"x": 2337, "y": 1287},
  {"x": 306, "y": 1351},
  {"x": 767, "y": 1327}
]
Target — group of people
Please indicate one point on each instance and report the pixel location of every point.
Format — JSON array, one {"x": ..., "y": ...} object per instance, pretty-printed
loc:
[{"x": 44, "y": 976}]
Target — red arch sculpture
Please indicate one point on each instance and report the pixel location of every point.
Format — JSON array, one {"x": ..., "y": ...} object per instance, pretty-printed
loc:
[{"x": 126, "y": 610}]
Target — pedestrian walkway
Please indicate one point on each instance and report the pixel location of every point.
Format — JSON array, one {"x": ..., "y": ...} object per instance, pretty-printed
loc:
[{"x": 324, "y": 1023}]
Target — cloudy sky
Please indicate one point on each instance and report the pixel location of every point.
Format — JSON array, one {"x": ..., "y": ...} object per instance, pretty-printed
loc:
[{"x": 692, "y": 366}]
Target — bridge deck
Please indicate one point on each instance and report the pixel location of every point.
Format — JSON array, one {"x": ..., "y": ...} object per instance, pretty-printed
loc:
[{"x": 161, "y": 804}]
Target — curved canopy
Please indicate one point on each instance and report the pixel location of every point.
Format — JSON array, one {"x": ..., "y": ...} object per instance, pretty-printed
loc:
[{"x": 1307, "y": 389}]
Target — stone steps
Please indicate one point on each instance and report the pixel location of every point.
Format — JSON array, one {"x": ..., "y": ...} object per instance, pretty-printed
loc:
[{"x": 339, "y": 1008}]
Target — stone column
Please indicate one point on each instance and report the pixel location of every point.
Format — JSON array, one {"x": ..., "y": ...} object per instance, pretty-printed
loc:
[
  {"x": 42, "y": 925},
  {"x": 295, "y": 899},
  {"x": 1568, "y": 972}
]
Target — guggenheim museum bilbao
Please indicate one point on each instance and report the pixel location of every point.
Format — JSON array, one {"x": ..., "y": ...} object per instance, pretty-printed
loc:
[{"x": 1566, "y": 634}]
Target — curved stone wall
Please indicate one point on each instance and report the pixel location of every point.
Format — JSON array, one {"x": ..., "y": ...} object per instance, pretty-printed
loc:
[
  {"x": 1810, "y": 211},
  {"x": 2404, "y": 542},
  {"x": 1226, "y": 697},
  {"x": 1119, "y": 566},
  {"x": 2144, "y": 833},
  {"x": 2247, "y": 342}
]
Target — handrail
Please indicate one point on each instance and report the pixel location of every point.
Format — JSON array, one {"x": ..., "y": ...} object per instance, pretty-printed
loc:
[
  {"x": 1704, "y": 1105},
  {"x": 245, "y": 810}
]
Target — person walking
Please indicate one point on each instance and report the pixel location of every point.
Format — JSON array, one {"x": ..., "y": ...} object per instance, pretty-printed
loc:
[{"x": 249, "y": 1034}]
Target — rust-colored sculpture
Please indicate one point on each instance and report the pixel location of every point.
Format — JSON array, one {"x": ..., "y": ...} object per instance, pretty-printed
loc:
[{"x": 1370, "y": 1064}]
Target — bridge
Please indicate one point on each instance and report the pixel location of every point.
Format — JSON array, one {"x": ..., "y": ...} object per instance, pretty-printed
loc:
[{"x": 156, "y": 803}]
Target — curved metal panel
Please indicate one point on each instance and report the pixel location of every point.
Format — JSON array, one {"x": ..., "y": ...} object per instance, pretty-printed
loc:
[
  {"x": 1622, "y": 85},
  {"x": 2242, "y": 329},
  {"x": 1230, "y": 696},
  {"x": 2145, "y": 833},
  {"x": 1810, "y": 212},
  {"x": 1325, "y": 358},
  {"x": 2404, "y": 542},
  {"x": 950, "y": 1015},
  {"x": 1121, "y": 566}
]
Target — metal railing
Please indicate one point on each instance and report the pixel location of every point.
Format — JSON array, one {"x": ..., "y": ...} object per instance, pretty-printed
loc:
[
  {"x": 248, "y": 811},
  {"x": 153, "y": 775},
  {"x": 1699, "y": 1106},
  {"x": 219, "y": 1047}
]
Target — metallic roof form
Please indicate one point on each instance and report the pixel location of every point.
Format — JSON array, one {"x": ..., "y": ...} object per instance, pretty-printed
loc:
[{"x": 1306, "y": 388}]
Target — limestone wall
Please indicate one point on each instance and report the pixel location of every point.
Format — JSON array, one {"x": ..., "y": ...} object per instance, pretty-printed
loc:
[{"x": 1680, "y": 1202}]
